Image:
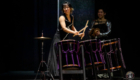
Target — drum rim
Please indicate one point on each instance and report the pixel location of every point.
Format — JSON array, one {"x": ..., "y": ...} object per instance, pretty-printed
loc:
[
  {"x": 67, "y": 40},
  {"x": 108, "y": 40},
  {"x": 88, "y": 40}
]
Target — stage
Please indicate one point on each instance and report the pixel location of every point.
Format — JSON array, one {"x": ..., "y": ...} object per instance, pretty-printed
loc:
[
  {"x": 24, "y": 20},
  {"x": 30, "y": 75}
]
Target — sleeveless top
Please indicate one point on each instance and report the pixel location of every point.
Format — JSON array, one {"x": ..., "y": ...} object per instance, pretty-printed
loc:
[{"x": 68, "y": 25}]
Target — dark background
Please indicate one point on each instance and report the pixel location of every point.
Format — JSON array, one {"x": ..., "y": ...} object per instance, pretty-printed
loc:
[{"x": 22, "y": 20}]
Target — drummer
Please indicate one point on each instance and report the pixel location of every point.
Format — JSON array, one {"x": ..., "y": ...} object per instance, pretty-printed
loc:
[
  {"x": 101, "y": 27},
  {"x": 66, "y": 26}
]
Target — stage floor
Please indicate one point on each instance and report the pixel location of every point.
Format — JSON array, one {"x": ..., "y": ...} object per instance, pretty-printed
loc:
[{"x": 30, "y": 75}]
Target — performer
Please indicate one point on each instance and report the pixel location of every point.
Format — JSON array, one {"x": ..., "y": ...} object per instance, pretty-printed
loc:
[
  {"x": 66, "y": 26},
  {"x": 101, "y": 27}
]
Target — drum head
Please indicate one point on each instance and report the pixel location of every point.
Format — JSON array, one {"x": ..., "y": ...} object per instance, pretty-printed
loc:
[
  {"x": 67, "y": 41},
  {"x": 92, "y": 40}
]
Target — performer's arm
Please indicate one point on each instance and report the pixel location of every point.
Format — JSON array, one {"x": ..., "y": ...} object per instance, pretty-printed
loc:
[
  {"x": 63, "y": 25},
  {"x": 108, "y": 29}
]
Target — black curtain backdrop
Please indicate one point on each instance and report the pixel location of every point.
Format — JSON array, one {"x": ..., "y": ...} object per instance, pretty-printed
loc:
[
  {"x": 22, "y": 20},
  {"x": 17, "y": 32}
]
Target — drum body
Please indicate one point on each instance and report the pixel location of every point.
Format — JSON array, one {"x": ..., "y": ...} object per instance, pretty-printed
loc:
[
  {"x": 91, "y": 49},
  {"x": 111, "y": 49},
  {"x": 69, "y": 52}
]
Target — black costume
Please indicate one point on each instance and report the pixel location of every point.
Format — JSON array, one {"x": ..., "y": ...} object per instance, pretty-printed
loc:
[
  {"x": 105, "y": 29},
  {"x": 52, "y": 57}
]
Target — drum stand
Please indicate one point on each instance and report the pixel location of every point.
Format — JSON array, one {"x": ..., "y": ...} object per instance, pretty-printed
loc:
[{"x": 42, "y": 61}]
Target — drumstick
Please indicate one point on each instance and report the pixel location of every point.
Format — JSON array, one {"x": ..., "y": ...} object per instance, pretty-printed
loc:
[
  {"x": 83, "y": 28},
  {"x": 80, "y": 31},
  {"x": 83, "y": 32}
]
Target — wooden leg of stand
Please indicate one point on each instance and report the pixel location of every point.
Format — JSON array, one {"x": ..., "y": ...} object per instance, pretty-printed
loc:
[
  {"x": 93, "y": 65},
  {"x": 107, "y": 62},
  {"x": 83, "y": 64},
  {"x": 122, "y": 67},
  {"x": 60, "y": 65}
]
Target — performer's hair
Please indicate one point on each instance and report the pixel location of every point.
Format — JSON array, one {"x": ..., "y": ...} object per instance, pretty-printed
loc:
[
  {"x": 102, "y": 9},
  {"x": 66, "y": 2}
]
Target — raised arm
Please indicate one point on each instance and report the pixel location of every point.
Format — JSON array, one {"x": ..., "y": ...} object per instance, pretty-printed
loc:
[{"x": 64, "y": 28}]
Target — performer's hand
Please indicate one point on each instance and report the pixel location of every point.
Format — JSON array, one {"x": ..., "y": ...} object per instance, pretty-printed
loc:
[
  {"x": 76, "y": 33},
  {"x": 97, "y": 32},
  {"x": 81, "y": 35},
  {"x": 96, "y": 23}
]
